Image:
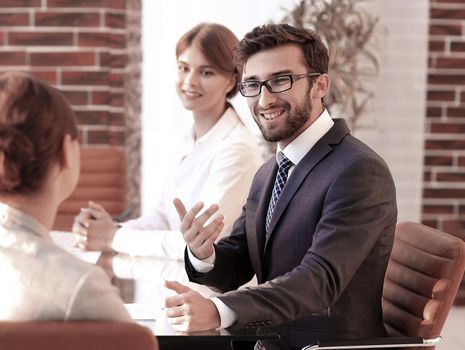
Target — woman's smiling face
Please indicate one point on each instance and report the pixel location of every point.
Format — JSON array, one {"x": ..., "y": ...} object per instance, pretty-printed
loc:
[{"x": 200, "y": 86}]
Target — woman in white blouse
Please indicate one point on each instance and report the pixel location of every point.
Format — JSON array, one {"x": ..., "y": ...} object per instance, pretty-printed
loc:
[
  {"x": 39, "y": 168},
  {"x": 216, "y": 162}
]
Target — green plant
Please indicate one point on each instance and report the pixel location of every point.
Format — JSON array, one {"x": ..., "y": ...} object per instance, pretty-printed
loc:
[{"x": 348, "y": 30}]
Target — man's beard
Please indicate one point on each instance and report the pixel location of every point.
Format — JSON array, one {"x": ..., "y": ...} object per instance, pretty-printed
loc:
[{"x": 291, "y": 125}]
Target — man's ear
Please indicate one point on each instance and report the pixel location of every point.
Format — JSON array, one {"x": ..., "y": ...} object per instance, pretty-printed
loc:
[{"x": 321, "y": 86}]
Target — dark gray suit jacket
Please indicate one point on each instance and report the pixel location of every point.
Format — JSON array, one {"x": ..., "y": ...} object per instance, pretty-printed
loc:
[{"x": 321, "y": 270}]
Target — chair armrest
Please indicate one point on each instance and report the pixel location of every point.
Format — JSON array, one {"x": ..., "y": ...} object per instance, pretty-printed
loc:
[{"x": 374, "y": 343}]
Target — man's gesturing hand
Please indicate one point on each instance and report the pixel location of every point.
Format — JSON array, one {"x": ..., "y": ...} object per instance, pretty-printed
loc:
[
  {"x": 198, "y": 236},
  {"x": 188, "y": 311}
]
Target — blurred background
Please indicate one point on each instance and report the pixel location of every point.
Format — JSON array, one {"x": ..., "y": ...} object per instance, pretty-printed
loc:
[{"x": 115, "y": 61}]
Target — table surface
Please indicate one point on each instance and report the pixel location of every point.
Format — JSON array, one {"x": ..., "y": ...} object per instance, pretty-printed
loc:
[{"x": 140, "y": 281}]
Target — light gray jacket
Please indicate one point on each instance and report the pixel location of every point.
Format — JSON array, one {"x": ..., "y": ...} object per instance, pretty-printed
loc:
[{"x": 41, "y": 281}]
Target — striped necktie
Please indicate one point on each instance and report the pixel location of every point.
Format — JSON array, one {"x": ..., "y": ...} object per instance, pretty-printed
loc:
[{"x": 281, "y": 178}]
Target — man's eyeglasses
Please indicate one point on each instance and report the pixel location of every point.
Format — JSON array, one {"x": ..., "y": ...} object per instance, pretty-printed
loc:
[{"x": 252, "y": 88}]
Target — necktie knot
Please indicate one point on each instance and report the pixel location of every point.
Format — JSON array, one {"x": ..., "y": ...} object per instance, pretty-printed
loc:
[{"x": 285, "y": 163}]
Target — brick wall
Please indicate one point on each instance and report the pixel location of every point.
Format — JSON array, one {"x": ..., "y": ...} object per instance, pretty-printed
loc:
[
  {"x": 90, "y": 49},
  {"x": 444, "y": 160}
]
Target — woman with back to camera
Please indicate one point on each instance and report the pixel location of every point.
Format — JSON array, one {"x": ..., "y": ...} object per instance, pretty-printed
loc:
[
  {"x": 216, "y": 161},
  {"x": 39, "y": 168}
]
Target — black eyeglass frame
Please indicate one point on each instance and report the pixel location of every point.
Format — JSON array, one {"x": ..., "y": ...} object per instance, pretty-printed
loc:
[{"x": 292, "y": 78}]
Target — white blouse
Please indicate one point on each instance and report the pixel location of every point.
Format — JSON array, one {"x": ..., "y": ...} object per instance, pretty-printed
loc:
[{"x": 216, "y": 168}]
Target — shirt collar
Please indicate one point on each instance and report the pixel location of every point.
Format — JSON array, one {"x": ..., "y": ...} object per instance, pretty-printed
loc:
[
  {"x": 303, "y": 143},
  {"x": 14, "y": 219},
  {"x": 220, "y": 130}
]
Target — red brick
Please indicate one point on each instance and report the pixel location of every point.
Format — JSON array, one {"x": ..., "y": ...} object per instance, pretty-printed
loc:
[
  {"x": 116, "y": 80},
  {"x": 12, "y": 58},
  {"x": 451, "y": 79},
  {"x": 462, "y": 209},
  {"x": 63, "y": 59},
  {"x": 438, "y": 209},
  {"x": 443, "y": 193},
  {"x": 117, "y": 119},
  {"x": 48, "y": 76},
  {"x": 445, "y": 29},
  {"x": 102, "y": 40},
  {"x": 430, "y": 223},
  {"x": 455, "y": 112},
  {"x": 436, "y": 46},
  {"x": 448, "y": 13},
  {"x": 93, "y": 117},
  {"x": 117, "y": 138},
  {"x": 426, "y": 176},
  {"x": 77, "y": 97},
  {"x": 105, "y": 137},
  {"x": 40, "y": 39},
  {"x": 20, "y": 3},
  {"x": 116, "y": 100},
  {"x": 450, "y": 177},
  {"x": 433, "y": 112},
  {"x": 440, "y": 95},
  {"x": 448, "y": 128},
  {"x": 462, "y": 96},
  {"x": 119, "y": 60},
  {"x": 445, "y": 144},
  {"x": 115, "y": 20},
  {"x": 439, "y": 160},
  {"x": 2, "y": 38},
  {"x": 107, "y": 98},
  {"x": 450, "y": 63},
  {"x": 100, "y": 98},
  {"x": 114, "y": 4},
  {"x": 461, "y": 161},
  {"x": 113, "y": 60},
  {"x": 14, "y": 19},
  {"x": 455, "y": 227},
  {"x": 67, "y": 19},
  {"x": 85, "y": 78},
  {"x": 457, "y": 46}
]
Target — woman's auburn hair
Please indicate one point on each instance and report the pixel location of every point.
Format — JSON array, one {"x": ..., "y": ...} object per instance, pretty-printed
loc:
[{"x": 34, "y": 119}]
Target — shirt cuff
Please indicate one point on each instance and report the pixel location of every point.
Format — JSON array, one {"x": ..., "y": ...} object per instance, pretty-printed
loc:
[
  {"x": 227, "y": 316},
  {"x": 202, "y": 266}
]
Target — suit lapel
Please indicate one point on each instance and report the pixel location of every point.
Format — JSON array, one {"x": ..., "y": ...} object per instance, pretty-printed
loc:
[
  {"x": 311, "y": 159},
  {"x": 256, "y": 238}
]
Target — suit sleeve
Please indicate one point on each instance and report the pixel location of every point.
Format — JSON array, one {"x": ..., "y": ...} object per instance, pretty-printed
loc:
[{"x": 232, "y": 264}]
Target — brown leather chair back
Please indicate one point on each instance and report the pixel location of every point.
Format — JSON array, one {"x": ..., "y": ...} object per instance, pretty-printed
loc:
[
  {"x": 75, "y": 336},
  {"x": 102, "y": 179},
  {"x": 422, "y": 279}
]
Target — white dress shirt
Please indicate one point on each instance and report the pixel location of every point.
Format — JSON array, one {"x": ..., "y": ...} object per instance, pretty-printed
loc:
[
  {"x": 295, "y": 151},
  {"x": 41, "y": 281},
  {"x": 216, "y": 168}
]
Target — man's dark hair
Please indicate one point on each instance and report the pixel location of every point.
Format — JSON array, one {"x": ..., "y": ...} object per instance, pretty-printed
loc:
[{"x": 269, "y": 36}]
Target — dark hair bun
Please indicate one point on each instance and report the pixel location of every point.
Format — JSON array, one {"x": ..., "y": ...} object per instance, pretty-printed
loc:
[
  {"x": 16, "y": 151},
  {"x": 34, "y": 119}
]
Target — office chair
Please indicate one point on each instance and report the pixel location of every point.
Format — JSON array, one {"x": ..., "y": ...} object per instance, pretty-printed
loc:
[
  {"x": 423, "y": 275},
  {"x": 37, "y": 335}
]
